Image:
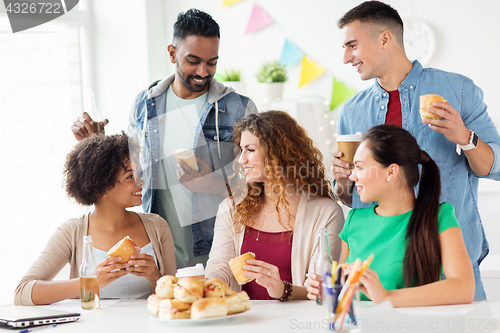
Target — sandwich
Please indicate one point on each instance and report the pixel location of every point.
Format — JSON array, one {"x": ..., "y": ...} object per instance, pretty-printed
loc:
[
  {"x": 238, "y": 303},
  {"x": 215, "y": 288},
  {"x": 124, "y": 249},
  {"x": 188, "y": 289},
  {"x": 237, "y": 264},
  {"x": 425, "y": 102},
  {"x": 187, "y": 156},
  {"x": 174, "y": 309},
  {"x": 165, "y": 286},
  {"x": 208, "y": 307},
  {"x": 153, "y": 304}
]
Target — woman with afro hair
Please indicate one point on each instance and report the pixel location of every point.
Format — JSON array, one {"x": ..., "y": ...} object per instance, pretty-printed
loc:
[
  {"x": 101, "y": 171},
  {"x": 286, "y": 200}
]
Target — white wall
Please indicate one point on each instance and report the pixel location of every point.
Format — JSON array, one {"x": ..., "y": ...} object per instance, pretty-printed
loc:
[{"x": 118, "y": 45}]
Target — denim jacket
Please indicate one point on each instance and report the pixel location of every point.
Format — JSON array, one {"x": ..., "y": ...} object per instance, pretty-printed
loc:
[
  {"x": 459, "y": 183},
  {"x": 213, "y": 143}
]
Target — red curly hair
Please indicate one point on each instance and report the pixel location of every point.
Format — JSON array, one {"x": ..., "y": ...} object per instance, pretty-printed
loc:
[{"x": 289, "y": 156}]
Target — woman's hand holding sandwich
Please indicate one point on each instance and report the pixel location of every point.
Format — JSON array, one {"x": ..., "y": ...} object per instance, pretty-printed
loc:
[
  {"x": 110, "y": 270},
  {"x": 266, "y": 275},
  {"x": 143, "y": 265}
]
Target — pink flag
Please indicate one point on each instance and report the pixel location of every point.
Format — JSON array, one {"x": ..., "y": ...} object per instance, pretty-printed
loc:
[{"x": 258, "y": 20}]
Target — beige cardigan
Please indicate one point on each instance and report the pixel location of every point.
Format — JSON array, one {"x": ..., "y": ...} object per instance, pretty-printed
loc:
[
  {"x": 313, "y": 213},
  {"x": 66, "y": 246}
]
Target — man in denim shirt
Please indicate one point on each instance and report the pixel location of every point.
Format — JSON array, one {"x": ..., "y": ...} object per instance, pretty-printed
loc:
[
  {"x": 187, "y": 110},
  {"x": 465, "y": 144}
]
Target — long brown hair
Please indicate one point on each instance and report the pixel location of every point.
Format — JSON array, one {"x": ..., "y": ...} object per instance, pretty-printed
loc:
[
  {"x": 289, "y": 154},
  {"x": 392, "y": 144}
]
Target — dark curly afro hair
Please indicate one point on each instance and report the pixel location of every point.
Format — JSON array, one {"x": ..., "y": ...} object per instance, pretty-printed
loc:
[{"x": 92, "y": 166}]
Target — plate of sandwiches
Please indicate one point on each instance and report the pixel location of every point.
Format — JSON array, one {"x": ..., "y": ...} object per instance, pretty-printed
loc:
[{"x": 193, "y": 301}]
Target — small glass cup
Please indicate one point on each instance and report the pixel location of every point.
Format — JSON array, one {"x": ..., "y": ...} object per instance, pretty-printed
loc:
[
  {"x": 346, "y": 320},
  {"x": 98, "y": 119}
]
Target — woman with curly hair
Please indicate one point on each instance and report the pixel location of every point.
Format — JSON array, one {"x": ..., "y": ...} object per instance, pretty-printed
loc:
[
  {"x": 288, "y": 200},
  {"x": 99, "y": 171}
]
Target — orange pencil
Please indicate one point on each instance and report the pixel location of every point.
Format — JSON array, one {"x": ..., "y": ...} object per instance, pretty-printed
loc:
[
  {"x": 347, "y": 305},
  {"x": 351, "y": 284}
]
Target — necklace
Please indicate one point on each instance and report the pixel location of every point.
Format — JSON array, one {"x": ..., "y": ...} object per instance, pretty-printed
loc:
[
  {"x": 265, "y": 213},
  {"x": 263, "y": 220}
]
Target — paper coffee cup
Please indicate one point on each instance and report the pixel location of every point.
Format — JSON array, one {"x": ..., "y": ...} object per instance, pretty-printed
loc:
[
  {"x": 348, "y": 144},
  {"x": 186, "y": 155},
  {"x": 194, "y": 271}
]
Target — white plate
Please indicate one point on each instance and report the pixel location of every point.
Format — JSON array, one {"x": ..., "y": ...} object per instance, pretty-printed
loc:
[{"x": 189, "y": 322}]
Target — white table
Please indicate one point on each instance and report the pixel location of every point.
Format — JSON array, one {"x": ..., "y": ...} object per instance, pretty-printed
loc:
[{"x": 265, "y": 316}]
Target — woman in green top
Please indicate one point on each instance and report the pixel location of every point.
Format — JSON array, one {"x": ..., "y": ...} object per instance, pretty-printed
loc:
[{"x": 414, "y": 240}]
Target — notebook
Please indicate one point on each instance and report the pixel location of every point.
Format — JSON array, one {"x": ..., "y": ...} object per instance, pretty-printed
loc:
[{"x": 28, "y": 316}]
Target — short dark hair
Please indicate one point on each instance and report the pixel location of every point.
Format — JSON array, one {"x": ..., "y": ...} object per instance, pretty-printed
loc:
[
  {"x": 195, "y": 22},
  {"x": 378, "y": 13},
  {"x": 93, "y": 166}
]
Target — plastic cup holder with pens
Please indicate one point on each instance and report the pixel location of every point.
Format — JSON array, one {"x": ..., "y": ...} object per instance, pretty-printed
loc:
[{"x": 341, "y": 294}]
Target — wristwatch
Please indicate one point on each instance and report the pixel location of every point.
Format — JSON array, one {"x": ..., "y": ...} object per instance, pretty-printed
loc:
[{"x": 472, "y": 142}]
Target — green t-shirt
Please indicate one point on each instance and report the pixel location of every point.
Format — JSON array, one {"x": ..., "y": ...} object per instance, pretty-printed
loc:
[{"x": 365, "y": 233}]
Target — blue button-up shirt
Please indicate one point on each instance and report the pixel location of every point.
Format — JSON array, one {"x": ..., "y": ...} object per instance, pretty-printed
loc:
[{"x": 459, "y": 183}]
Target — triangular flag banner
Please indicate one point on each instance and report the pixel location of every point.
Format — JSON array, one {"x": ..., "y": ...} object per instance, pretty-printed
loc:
[
  {"x": 310, "y": 70},
  {"x": 258, "y": 20},
  {"x": 340, "y": 94},
  {"x": 230, "y": 2},
  {"x": 291, "y": 54}
]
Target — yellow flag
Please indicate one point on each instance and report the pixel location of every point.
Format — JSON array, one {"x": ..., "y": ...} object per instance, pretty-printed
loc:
[
  {"x": 310, "y": 70},
  {"x": 230, "y": 2}
]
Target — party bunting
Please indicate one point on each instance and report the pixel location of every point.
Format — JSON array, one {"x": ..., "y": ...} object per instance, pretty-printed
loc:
[
  {"x": 310, "y": 70},
  {"x": 258, "y": 20},
  {"x": 340, "y": 93},
  {"x": 230, "y": 2},
  {"x": 291, "y": 54}
]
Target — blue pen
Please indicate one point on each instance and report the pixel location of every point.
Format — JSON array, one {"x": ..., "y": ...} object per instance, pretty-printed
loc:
[
  {"x": 337, "y": 287},
  {"x": 351, "y": 314},
  {"x": 37, "y": 328}
]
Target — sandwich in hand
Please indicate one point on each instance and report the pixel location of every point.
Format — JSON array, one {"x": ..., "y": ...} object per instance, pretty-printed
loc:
[
  {"x": 425, "y": 102},
  {"x": 215, "y": 288},
  {"x": 188, "y": 289},
  {"x": 237, "y": 264},
  {"x": 165, "y": 286},
  {"x": 238, "y": 303},
  {"x": 124, "y": 249},
  {"x": 174, "y": 309},
  {"x": 153, "y": 304},
  {"x": 208, "y": 307}
]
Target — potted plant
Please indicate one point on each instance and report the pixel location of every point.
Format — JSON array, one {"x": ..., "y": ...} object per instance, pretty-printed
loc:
[
  {"x": 231, "y": 78},
  {"x": 272, "y": 76}
]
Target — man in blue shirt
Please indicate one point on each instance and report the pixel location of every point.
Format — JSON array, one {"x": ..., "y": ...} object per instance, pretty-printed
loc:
[
  {"x": 187, "y": 110},
  {"x": 465, "y": 144}
]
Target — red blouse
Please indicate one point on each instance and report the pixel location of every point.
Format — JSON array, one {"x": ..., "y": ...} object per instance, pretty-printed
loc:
[{"x": 272, "y": 247}]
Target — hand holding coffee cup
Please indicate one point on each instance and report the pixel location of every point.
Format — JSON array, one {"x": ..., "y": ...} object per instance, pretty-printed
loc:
[{"x": 347, "y": 144}]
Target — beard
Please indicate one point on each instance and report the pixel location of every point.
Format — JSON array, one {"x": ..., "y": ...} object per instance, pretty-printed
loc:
[{"x": 187, "y": 79}]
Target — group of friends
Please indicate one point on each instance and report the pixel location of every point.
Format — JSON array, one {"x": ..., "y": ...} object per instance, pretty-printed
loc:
[{"x": 261, "y": 185}]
